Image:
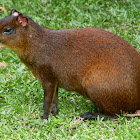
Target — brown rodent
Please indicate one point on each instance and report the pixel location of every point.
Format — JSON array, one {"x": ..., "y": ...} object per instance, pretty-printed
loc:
[{"x": 93, "y": 62}]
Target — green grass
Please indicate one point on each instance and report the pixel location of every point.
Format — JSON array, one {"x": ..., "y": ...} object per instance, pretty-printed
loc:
[{"x": 21, "y": 95}]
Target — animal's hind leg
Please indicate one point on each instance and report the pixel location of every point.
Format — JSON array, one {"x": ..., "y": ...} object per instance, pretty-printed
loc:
[{"x": 95, "y": 116}]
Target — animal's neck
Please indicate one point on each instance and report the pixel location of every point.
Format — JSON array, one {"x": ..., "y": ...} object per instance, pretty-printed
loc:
[{"x": 36, "y": 41}]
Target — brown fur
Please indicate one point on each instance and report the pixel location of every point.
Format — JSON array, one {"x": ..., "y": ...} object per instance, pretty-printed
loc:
[{"x": 93, "y": 62}]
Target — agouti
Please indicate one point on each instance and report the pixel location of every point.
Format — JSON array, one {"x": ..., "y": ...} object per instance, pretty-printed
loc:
[{"x": 93, "y": 62}]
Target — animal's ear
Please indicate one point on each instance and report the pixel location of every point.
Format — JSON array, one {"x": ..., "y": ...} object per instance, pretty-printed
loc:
[
  {"x": 14, "y": 13},
  {"x": 22, "y": 20}
]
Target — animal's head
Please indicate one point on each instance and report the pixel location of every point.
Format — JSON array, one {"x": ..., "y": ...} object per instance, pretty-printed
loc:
[{"x": 13, "y": 29}]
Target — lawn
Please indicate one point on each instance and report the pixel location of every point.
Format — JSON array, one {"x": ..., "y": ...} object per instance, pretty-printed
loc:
[{"x": 21, "y": 95}]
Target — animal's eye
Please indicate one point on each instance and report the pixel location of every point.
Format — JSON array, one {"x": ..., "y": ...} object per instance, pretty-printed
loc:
[{"x": 8, "y": 31}]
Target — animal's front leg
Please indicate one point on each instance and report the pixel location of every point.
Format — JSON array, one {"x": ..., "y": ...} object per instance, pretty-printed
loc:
[
  {"x": 55, "y": 103},
  {"x": 49, "y": 94}
]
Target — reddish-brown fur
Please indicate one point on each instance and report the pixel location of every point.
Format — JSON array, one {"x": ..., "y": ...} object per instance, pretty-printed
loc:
[{"x": 93, "y": 62}]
